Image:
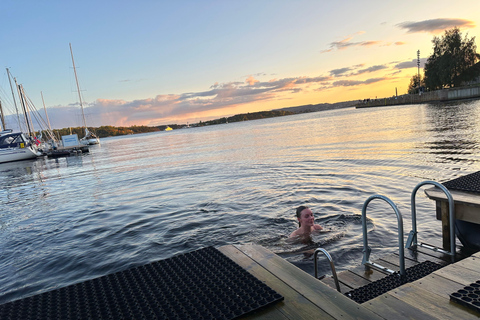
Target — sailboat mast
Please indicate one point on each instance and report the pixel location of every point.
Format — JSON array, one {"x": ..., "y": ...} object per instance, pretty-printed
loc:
[
  {"x": 78, "y": 87},
  {"x": 22, "y": 100},
  {"x": 13, "y": 96},
  {"x": 2, "y": 116},
  {"x": 45, "y": 108},
  {"x": 25, "y": 121}
]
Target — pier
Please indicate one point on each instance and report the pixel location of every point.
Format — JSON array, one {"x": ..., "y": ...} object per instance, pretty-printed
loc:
[
  {"x": 444, "y": 95},
  {"x": 251, "y": 282},
  {"x": 309, "y": 298}
]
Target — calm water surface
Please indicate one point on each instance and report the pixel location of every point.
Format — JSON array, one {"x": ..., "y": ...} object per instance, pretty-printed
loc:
[{"x": 139, "y": 199}]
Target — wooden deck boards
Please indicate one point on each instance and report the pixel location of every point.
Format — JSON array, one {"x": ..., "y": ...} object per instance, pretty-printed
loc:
[
  {"x": 305, "y": 297},
  {"x": 428, "y": 298},
  {"x": 308, "y": 298}
]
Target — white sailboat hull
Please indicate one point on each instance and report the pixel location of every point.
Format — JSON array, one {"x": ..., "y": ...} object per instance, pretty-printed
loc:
[
  {"x": 17, "y": 154},
  {"x": 90, "y": 141}
]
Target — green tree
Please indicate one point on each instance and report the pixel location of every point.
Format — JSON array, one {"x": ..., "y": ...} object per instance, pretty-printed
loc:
[
  {"x": 416, "y": 82},
  {"x": 451, "y": 57}
]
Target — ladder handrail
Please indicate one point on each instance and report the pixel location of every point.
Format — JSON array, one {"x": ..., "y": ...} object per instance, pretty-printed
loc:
[
  {"x": 332, "y": 266},
  {"x": 412, "y": 238},
  {"x": 367, "y": 250}
]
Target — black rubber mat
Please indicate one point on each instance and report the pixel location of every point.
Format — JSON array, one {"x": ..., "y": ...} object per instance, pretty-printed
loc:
[
  {"x": 469, "y": 296},
  {"x": 468, "y": 183},
  {"x": 203, "y": 284},
  {"x": 379, "y": 287}
]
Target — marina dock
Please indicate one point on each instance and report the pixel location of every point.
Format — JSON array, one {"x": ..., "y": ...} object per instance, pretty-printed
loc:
[
  {"x": 309, "y": 298},
  {"x": 251, "y": 282}
]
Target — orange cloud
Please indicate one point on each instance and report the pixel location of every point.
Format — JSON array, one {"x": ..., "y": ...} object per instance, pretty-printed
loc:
[{"x": 251, "y": 80}]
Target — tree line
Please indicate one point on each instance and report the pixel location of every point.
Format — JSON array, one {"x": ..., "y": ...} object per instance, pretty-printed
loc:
[
  {"x": 104, "y": 131},
  {"x": 112, "y": 131},
  {"x": 453, "y": 63}
]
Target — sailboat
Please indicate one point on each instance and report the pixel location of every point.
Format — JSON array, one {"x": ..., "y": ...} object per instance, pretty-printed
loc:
[
  {"x": 16, "y": 146},
  {"x": 90, "y": 138}
]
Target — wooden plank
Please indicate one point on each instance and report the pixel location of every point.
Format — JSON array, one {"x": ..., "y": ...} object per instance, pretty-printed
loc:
[
  {"x": 458, "y": 196},
  {"x": 329, "y": 281},
  {"x": 459, "y": 273},
  {"x": 419, "y": 257},
  {"x": 294, "y": 306},
  {"x": 435, "y": 254},
  {"x": 392, "y": 266},
  {"x": 445, "y": 216},
  {"x": 431, "y": 303},
  {"x": 335, "y": 304},
  {"x": 391, "y": 308},
  {"x": 393, "y": 259},
  {"x": 439, "y": 285},
  {"x": 472, "y": 263},
  {"x": 466, "y": 205},
  {"x": 370, "y": 275},
  {"x": 351, "y": 279}
]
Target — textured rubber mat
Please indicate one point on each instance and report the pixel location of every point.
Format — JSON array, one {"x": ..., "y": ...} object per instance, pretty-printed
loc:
[
  {"x": 469, "y": 296},
  {"x": 203, "y": 284},
  {"x": 468, "y": 183},
  {"x": 379, "y": 287}
]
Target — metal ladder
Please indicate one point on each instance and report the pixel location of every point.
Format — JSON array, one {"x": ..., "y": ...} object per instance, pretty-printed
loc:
[
  {"x": 412, "y": 237},
  {"x": 332, "y": 266},
  {"x": 367, "y": 250}
]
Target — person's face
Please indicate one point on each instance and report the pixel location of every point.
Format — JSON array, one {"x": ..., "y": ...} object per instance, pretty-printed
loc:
[{"x": 306, "y": 217}]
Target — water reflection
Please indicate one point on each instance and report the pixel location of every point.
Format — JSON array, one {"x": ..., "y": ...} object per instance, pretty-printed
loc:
[{"x": 142, "y": 198}]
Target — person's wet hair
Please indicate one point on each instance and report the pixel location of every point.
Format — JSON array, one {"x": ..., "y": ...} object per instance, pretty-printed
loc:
[{"x": 299, "y": 213}]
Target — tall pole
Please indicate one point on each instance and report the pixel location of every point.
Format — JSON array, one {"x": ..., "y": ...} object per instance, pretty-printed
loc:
[
  {"x": 3, "y": 117},
  {"x": 29, "y": 117},
  {"x": 13, "y": 96},
  {"x": 48, "y": 120},
  {"x": 22, "y": 100},
  {"x": 20, "y": 97},
  {"x": 78, "y": 87},
  {"x": 418, "y": 66}
]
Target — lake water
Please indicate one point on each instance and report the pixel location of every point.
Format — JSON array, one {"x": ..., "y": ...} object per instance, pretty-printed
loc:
[{"x": 141, "y": 198}]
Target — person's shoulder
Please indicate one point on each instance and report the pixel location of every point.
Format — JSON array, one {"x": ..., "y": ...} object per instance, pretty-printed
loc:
[
  {"x": 294, "y": 234},
  {"x": 317, "y": 227}
]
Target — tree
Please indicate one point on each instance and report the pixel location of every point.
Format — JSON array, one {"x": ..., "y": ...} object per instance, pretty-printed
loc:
[
  {"x": 416, "y": 82},
  {"x": 451, "y": 57}
]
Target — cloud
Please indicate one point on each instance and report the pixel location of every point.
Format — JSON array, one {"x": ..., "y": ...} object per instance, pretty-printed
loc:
[
  {"x": 154, "y": 111},
  {"x": 411, "y": 64},
  {"x": 347, "y": 43},
  {"x": 353, "y": 71},
  {"x": 339, "y": 72},
  {"x": 251, "y": 80},
  {"x": 219, "y": 97},
  {"x": 351, "y": 83},
  {"x": 369, "y": 43},
  {"x": 435, "y": 25},
  {"x": 371, "y": 69}
]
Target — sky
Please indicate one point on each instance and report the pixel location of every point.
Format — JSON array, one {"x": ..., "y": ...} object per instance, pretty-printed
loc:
[{"x": 154, "y": 62}]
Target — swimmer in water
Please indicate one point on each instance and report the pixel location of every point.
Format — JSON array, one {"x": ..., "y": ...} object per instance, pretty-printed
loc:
[{"x": 306, "y": 223}]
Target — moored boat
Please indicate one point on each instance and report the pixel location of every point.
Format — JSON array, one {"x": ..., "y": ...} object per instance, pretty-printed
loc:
[
  {"x": 90, "y": 138},
  {"x": 16, "y": 146}
]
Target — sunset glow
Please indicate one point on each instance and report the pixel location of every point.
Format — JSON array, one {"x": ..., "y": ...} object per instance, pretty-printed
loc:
[{"x": 153, "y": 63}]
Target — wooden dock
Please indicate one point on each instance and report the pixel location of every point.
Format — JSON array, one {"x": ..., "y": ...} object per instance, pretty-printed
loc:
[{"x": 309, "y": 298}]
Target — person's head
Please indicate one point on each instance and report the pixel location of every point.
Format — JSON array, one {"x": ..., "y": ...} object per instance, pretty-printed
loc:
[{"x": 305, "y": 215}]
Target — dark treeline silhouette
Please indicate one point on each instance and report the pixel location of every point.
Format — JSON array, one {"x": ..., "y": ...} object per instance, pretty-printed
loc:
[{"x": 111, "y": 131}]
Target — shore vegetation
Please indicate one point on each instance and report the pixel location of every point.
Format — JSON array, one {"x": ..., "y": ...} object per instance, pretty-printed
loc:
[{"x": 451, "y": 62}]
